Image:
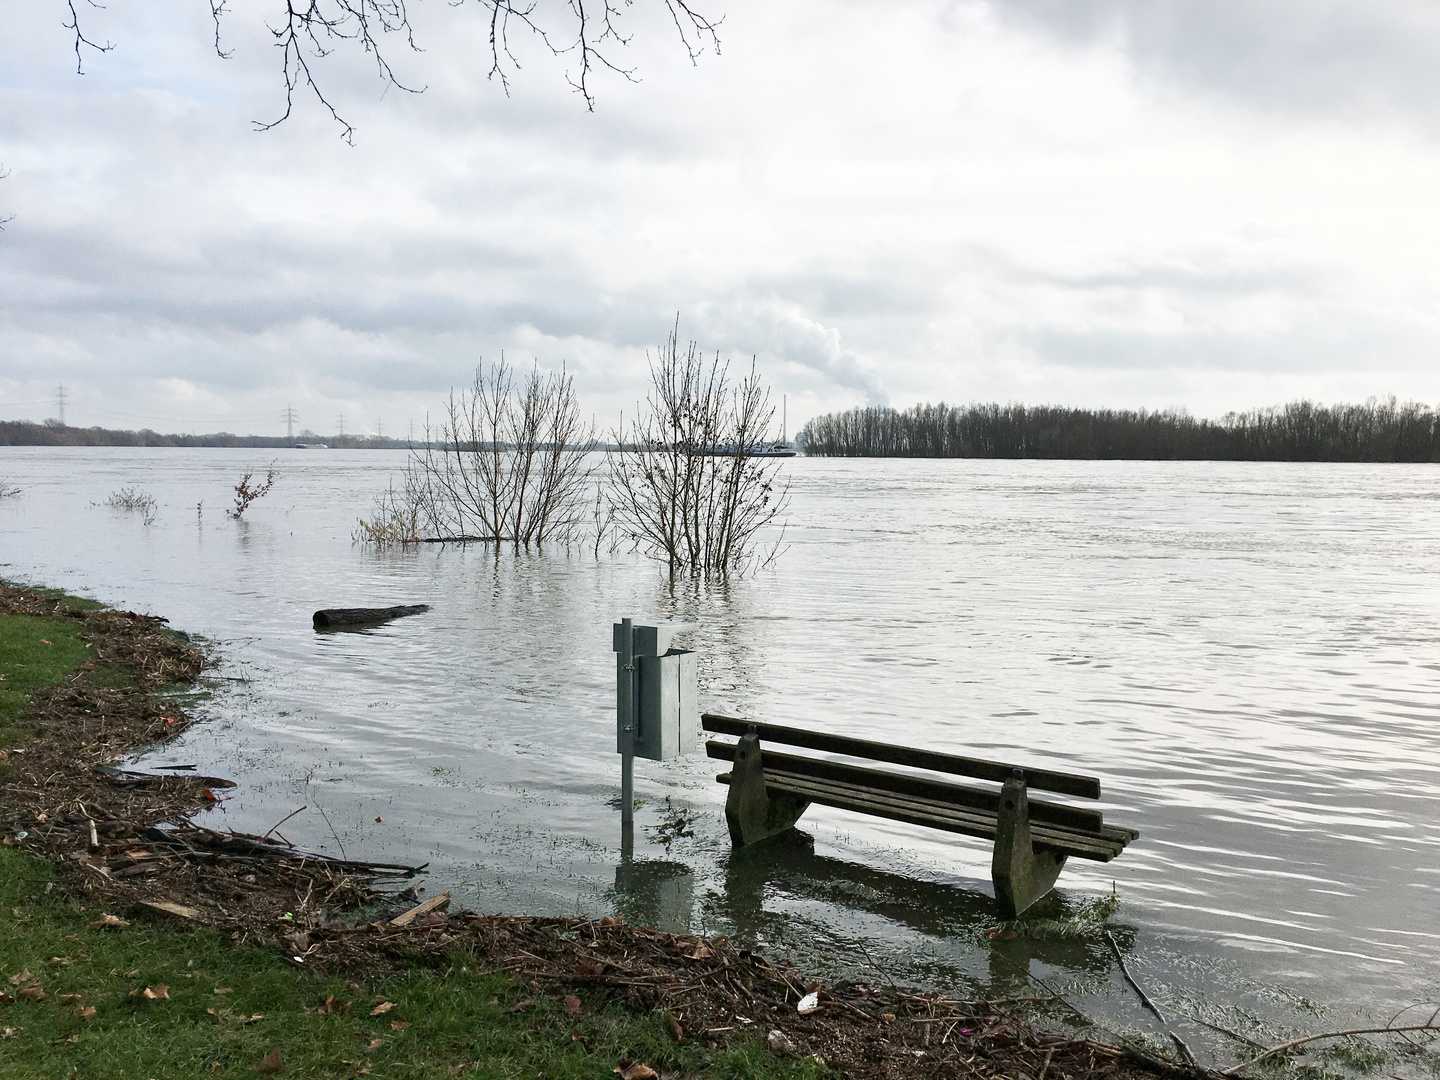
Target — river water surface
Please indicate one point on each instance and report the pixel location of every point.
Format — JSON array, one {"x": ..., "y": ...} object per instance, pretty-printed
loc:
[{"x": 1247, "y": 655}]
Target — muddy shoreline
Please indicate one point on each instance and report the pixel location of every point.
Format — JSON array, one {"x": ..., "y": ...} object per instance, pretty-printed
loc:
[{"x": 132, "y": 843}]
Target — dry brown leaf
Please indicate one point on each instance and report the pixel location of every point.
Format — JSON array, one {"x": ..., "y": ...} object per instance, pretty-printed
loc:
[
  {"x": 590, "y": 968},
  {"x": 85, "y": 1012},
  {"x": 675, "y": 1028},
  {"x": 156, "y": 992},
  {"x": 60, "y": 961},
  {"x": 69, "y": 999},
  {"x": 271, "y": 1063},
  {"x": 108, "y": 920},
  {"x": 222, "y": 989},
  {"x": 375, "y": 1044},
  {"x": 34, "y": 993},
  {"x": 638, "y": 1071},
  {"x": 519, "y": 1005},
  {"x": 252, "y": 1019},
  {"x": 212, "y": 1012},
  {"x": 23, "y": 977},
  {"x": 702, "y": 952},
  {"x": 399, "y": 1025},
  {"x": 572, "y": 1003},
  {"x": 609, "y": 920},
  {"x": 382, "y": 1008}
]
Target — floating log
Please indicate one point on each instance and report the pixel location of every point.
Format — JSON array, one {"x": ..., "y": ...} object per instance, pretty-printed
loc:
[
  {"x": 133, "y": 778},
  {"x": 336, "y": 618}
]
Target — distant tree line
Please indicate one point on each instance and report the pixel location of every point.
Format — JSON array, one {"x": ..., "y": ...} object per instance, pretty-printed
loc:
[
  {"x": 1300, "y": 431},
  {"x": 51, "y": 433}
]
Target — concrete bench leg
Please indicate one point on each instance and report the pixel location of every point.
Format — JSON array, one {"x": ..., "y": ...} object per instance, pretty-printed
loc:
[
  {"x": 751, "y": 813},
  {"x": 1021, "y": 874}
]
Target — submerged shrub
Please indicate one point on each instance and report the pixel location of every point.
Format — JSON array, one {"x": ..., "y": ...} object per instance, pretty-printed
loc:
[{"x": 130, "y": 498}]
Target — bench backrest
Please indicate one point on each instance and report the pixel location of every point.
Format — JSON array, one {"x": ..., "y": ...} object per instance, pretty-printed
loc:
[{"x": 1087, "y": 787}]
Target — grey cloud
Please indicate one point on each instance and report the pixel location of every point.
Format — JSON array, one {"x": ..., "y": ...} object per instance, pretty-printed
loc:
[
  {"x": 788, "y": 334},
  {"x": 1353, "y": 58}
]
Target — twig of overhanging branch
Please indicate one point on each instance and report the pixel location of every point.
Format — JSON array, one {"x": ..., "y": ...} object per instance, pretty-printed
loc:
[
  {"x": 1152, "y": 1063},
  {"x": 332, "y": 832},
  {"x": 1185, "y": 1051},
  {"x": 1027, "y": 973},
  {"x": 80, "y": 38},
  {"x": 1220, "y": 1028},
  {"x": 282, "y": 821},
  {"x": 217, "y": 10},
  {"x": 1235, "y": 1070}
]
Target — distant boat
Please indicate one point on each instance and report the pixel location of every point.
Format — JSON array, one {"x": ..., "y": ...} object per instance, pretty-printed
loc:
[
  {"x": 311, "y": 446},
  {"x": 778, "y": 449}
]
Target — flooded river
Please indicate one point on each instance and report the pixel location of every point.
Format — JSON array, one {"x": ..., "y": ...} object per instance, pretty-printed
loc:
[{"x": 1247, "y": 655}]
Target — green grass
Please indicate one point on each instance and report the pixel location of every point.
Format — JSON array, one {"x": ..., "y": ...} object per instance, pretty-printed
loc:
[
  {"x": 453, "y": 1018},
  {"x": 35, "y": 652},
  {"x": 492, "y": 1025}
]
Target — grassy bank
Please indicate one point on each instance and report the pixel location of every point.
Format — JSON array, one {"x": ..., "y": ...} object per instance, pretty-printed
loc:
[
  {"x": 81, "y": 996},
  {"x": 35, "y": 652},
  {"x": 229, "y": 1011}
]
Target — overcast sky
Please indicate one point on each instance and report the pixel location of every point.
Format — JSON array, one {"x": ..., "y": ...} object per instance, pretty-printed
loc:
[{"x": 1214, "y": 204}]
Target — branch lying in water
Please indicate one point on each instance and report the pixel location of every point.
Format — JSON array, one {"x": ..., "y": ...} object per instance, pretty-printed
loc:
[{"x": 1236, "y": 1070}]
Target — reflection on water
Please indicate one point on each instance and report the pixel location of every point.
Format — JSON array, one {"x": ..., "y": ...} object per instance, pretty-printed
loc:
[{"x": 1248, "y": 656}]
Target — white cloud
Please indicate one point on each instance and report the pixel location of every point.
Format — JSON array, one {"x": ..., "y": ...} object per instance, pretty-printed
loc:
[{"x": 960, "y": 201}]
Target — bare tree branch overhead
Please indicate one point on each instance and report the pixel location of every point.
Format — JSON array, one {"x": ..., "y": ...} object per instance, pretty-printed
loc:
[
  {"x": 308, "y": 31},
  {"x": 80, "y": 39}
]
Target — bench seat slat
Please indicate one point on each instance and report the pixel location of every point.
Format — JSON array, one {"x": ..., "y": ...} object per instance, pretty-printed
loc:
[
  {"x": 918, "y": 811},
  {"x": 1043, "y": 779},
  {"x": 1101, "y": 847},
  {"x": 922, "y": 787}
]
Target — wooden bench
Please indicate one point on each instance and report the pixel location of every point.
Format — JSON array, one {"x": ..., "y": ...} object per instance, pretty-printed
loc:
[{"x": 1032, "y": 838}]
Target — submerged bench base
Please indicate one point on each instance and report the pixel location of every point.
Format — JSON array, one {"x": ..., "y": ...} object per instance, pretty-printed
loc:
[{"x": 1025, "y": 864}]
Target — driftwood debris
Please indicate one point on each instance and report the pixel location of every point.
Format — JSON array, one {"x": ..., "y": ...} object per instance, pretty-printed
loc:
[
  {"x": 434, "y": 903},
  {"x": 340, "y": 618}
]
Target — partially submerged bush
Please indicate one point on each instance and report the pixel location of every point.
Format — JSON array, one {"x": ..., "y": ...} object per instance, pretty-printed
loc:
[
  {"x": 130, "y": 498},
  {"x": 397, "y": 517},
  {"x": 246, "y": 492}
]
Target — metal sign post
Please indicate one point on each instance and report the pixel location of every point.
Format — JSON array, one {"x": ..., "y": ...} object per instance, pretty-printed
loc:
[
  {"x": 656, "y": 711},
  {"x": 625, "y": 718}
]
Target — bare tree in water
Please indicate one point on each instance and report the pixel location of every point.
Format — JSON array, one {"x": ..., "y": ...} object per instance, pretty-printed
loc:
[
  {"x": 506, "y": 464},
  {"x": 688, "y": 484}
]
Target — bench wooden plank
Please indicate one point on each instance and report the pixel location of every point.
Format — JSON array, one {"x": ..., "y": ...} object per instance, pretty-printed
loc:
[
  {"x": 923, "y": 787},
  {"x": 1044, "y": 779},
  {"x": 937, "y": 815}
]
